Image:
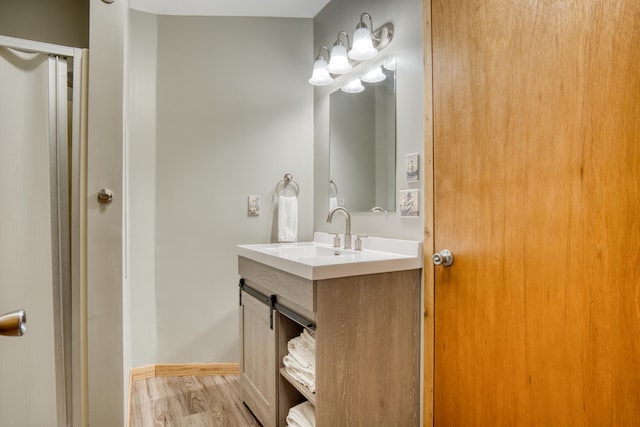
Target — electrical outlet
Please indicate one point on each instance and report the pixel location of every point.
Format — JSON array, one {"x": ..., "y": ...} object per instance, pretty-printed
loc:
[{"x": 253, "y": 206}]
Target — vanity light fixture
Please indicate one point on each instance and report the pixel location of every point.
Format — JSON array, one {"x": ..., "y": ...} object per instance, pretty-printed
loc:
[
  {"x": 343, "y": 57},
  {"x": 339, "y": 62},
  {"x": 374, "y": 76},
  {"x": 320, "y": 76},
  {"x": 354, "y": 86},
  {"x": 363, "y": 41},
  {"x": 390, "y": 64}
]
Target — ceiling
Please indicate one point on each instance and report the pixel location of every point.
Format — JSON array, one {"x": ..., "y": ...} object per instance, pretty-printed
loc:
[{"x": 275, "y": 8}]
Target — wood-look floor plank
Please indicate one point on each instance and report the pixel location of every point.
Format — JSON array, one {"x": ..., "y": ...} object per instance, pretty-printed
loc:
[{"x": 198, "y": 401}]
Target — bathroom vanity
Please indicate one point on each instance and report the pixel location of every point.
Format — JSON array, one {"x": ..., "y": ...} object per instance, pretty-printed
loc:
[{"x": 364, "y": 310}]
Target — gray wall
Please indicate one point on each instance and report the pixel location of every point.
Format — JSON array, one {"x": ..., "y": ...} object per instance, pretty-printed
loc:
[
  {"x": 63, "y": 22},
  {"x": 234, "y": 114},
  {"x": 406, "y": 16},
  {"x": 141, "y": 183}
]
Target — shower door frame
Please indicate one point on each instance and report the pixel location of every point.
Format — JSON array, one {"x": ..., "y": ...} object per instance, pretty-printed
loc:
[{"x": 67, "y": 215}]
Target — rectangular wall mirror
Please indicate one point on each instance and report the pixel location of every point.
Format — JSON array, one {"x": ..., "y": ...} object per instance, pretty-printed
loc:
[{"x": 362, "y": 147}]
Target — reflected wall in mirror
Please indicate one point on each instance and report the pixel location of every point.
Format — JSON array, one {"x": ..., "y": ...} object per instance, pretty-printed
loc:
[{"x": 362, "y": 147}]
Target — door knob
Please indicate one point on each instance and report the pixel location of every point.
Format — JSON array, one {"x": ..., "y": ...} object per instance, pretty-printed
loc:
[
  {"x": 444, "y": 257},
  {"x": 13, "y": 324},
  {"x": 105, "y": 196}
]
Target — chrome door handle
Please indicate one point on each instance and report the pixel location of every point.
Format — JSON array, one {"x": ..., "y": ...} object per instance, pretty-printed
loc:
[
  {"x": 105, "y": 196},
  {"x": 13, "y": 324},
  {"x": 444, "y": 258}
]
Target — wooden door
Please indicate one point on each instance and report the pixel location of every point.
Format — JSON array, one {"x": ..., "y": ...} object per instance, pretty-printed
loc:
[{"x": 537, "y": 194}]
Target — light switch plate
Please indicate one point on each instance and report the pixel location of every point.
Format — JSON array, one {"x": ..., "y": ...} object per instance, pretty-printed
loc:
[{"x": 253, "y": 206}]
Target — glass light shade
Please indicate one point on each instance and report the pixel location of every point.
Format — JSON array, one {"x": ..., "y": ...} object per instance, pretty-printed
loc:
[
  {"x": 362, "y": 45},
  {"x": 390, "y": 64},
  {"x": 320, "y": 76},
  {"x": 339, "y": 63},
  {"x": 354, "y": 86},
  {"x": 374, "y": 76}
]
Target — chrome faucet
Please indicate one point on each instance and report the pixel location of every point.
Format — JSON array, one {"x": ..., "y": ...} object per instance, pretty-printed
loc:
[{"x": 347, "y": 234}]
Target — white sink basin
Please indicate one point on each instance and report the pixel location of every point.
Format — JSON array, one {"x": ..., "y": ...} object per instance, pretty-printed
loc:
[
  {"x": 319, "y": 260},
  {"x": 303, "y": 250}
]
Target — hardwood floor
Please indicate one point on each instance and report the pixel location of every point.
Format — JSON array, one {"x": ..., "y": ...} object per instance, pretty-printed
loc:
[{"x": 206, "y": 401}]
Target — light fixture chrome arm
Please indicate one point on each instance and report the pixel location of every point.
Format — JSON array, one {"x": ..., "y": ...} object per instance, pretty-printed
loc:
[
  {"x": 339, "y": 41},
  {"x": 361, "y": 24},
  {"x": 380, "y": 36},
  {"x": 367, "y": 41},
  {"x": 320, "y": 56},
  {"x": 384, "y": 36}
]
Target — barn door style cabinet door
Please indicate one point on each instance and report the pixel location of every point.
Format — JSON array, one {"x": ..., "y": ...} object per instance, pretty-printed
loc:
[{"x": 258, "y": 357}]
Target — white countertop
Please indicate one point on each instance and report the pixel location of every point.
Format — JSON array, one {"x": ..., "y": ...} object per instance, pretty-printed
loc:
[{"x": 318, "y": 259}]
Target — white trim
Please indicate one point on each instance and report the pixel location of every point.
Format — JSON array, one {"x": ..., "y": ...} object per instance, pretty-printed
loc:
[
  {"x": 32, "y": 46},
  {"x": 58, "y": 140},
  {"x": 78, "y": 206}
]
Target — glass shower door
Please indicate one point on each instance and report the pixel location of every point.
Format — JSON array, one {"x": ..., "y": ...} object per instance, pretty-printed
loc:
[{"x": 34, "y": 236}]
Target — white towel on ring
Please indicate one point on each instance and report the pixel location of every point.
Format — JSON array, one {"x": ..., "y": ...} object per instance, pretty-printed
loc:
[
  {"x": 287, "y": 219},
  {"x": 333, "y": 202}
]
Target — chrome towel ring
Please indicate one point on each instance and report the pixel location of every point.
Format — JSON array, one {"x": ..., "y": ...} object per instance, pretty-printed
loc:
[
  {"x": 333, "y": 184},
  {"x": 287, "y": 180}
]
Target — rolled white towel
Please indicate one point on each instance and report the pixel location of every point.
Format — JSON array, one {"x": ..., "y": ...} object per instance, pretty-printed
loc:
[
  {"x": 302, "y": 359},
  {"x": 309, "y": 337},
  {"x": 292, "y": 362},
  {"x": 302, "y": 350},
  {"x": 305, "y": 376},
  {"x": 302, "y": 415}
]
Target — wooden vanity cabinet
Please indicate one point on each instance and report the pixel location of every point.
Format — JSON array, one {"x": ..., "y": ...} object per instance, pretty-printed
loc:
[{"x": 367, "y": 345}]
